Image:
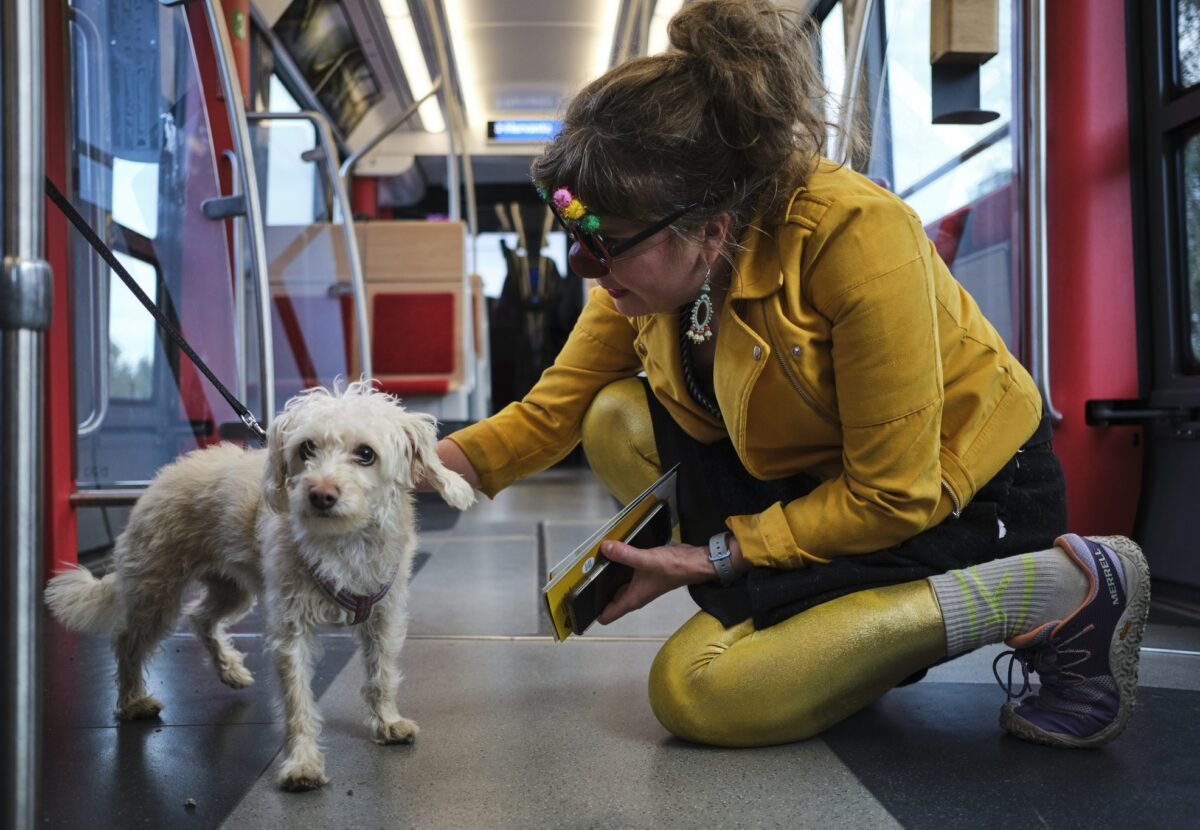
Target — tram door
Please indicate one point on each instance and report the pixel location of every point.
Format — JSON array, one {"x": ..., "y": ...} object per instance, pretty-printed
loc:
[
  {"x": 1169, "y": 265},
  {"x": 142, "y": 166}
]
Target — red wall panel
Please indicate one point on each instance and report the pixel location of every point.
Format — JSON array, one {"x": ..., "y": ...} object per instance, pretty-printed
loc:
[{"x": 1093, "y": 347}]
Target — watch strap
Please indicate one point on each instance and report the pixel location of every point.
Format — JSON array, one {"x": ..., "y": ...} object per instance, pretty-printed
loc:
[{"x": 718, "y": 554}]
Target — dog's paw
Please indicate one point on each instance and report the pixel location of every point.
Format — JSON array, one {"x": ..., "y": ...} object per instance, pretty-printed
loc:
[
  {"x": 140, "y": 709},
  {"x": 298, "y": 776},
  {"x": 400, "y": 731},
  {"x": 236, "y": 676}
]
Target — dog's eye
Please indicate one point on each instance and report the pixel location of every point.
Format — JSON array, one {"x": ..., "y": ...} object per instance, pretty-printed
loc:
[
  {"x": 307, "y": 450},
  {"x": 364, "y": 455}
]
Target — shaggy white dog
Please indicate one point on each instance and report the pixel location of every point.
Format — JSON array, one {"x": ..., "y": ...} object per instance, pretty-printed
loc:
[{"x": 321, "y": 524}]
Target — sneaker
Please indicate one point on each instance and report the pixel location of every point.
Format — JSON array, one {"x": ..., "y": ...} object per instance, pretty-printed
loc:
[{"x": 1087, "y": 663}]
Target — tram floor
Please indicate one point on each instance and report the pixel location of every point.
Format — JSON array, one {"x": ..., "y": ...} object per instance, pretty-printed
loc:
[{"x": 518, "y": 731}]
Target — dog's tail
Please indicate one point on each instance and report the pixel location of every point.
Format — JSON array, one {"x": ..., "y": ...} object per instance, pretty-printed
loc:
[{"x": 83, "y": 603}]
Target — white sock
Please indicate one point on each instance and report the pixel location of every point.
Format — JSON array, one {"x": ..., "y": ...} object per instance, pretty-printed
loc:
[{"x": 987, "y": 603}]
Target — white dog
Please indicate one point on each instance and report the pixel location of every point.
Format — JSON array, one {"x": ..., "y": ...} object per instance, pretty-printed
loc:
[{"x": 321, "y": 523}]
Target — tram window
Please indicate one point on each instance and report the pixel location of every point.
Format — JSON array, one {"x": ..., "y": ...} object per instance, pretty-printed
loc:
[
  {"x": 135, "y": 195},
  {"x": 280, "y": 98},
  {"x": 938, "y": 168},
  {"x": 1191, "y": 195},
  {"x": 294, "y": 195},
  {"x": 132, "y": 337},
  {"x": 1187, "y": 30},
  {"x": 491, "y": 265},
  {"x": 833, "y": 63}
]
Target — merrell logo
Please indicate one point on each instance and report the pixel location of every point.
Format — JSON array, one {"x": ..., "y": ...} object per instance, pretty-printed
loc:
[{"x": 1109, "y": 579}]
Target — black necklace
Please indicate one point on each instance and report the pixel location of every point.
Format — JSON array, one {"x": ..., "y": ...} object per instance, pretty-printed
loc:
[{"x": 689, "y": 376}]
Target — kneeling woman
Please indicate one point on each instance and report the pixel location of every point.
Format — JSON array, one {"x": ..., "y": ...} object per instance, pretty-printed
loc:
[{"x": 867, "y": 484}]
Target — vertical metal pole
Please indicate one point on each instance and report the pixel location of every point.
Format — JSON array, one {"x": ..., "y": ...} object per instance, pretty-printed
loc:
[
  {"x": 249, "y": 188},
  {"x": 1032, "y": 161},
  {"x": 25, "y": 304}
]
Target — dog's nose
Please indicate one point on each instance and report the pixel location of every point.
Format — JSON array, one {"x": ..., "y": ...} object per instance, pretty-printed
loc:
[{"x": 323, "y": 496}]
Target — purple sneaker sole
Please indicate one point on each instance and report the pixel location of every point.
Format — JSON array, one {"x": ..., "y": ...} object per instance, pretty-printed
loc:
[{"x": 1123, "y": 656}]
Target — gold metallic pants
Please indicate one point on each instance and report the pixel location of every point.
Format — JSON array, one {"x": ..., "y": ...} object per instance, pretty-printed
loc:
[{"x": 742, "y": 687}]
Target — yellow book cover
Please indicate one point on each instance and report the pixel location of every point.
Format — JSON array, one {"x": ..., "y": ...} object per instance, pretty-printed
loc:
[{"x": 578, "y": 570}]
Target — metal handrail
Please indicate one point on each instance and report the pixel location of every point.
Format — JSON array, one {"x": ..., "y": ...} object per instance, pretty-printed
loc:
[
  {"x": 236, "y": 108},
  {"x": 97, "y": 271},
  {"x": 239, "y": 283},
  {"x": 347, "y": 168},
  {"x": 1033, "y": 165},
  {"x": 456, "y": 127},
  {"x": 25, "y": 313},
  {"x": 357, "y": 282}
]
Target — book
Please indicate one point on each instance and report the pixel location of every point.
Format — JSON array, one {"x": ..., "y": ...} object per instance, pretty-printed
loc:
[{"x": 584, "y": 581}]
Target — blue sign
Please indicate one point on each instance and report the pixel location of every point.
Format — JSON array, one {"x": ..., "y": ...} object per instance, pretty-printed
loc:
[{"x": 523, "y": 129}]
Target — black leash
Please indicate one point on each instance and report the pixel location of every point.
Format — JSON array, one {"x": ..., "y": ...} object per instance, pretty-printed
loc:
[{"x": 107, "y": 255}]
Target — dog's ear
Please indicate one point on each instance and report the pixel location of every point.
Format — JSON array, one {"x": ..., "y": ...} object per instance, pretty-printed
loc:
[
  {"x": 419, "y": 433},
  {"x": 274, "y": 483}
]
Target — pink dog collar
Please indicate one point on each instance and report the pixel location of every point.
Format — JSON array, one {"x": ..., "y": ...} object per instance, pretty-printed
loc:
[{"x": 360, "y": 604}]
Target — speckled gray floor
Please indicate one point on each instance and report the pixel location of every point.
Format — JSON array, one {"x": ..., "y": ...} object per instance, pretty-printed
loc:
[{"x": 518, "y": 731}]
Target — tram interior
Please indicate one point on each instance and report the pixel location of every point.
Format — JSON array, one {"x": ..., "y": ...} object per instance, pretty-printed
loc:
[{"x": 379, "y": 230}]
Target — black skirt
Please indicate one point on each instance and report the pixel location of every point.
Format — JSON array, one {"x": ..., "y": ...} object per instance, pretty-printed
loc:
[{"x": 1022, "y": 509}]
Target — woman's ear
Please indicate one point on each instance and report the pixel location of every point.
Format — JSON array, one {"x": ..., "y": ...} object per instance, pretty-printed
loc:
[
  {"x": 274, "y": 484},
  {"x": 716, "y": 231}
]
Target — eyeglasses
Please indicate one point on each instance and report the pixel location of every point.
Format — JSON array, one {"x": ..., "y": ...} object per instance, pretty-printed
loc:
[{"x": 602, "y": 251}]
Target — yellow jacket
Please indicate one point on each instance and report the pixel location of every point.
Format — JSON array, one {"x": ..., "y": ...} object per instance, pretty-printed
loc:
[{"x": 845, "y": 348}]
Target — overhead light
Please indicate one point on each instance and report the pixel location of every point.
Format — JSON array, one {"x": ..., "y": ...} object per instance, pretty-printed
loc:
[
  {"x": 664, "y": 10},
  {"x": 412, "y": 60},
  {"x": 460, "y": 53}
]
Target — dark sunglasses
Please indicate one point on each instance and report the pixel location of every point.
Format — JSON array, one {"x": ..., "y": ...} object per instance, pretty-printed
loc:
[{"x": 604, "y": 252}]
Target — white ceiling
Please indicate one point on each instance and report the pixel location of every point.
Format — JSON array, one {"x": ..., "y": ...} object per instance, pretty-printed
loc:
[{"x": 525, "y": 57}]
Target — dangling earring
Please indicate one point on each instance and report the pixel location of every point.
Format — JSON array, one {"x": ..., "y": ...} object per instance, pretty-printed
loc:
[{"x": 701, "y": 330}]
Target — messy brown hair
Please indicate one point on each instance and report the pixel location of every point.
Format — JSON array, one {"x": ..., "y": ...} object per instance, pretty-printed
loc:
[{"x": 732, "y": 117}]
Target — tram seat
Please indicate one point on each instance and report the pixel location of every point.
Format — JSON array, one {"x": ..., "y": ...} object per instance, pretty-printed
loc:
[
  {"x": 412, "y": 341},
  {"x": 418, "y": 305}
]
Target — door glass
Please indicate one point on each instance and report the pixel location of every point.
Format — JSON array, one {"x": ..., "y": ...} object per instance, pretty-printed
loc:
[
  {"x": 1187, "y": 30},
  {"x": 833, "y": 65},
  {"x": 958, "y": 177},
  {"x": 1191, "y": 198},
  {"x": 142, "y": 167},
  {"x": 312, "y": 304}
]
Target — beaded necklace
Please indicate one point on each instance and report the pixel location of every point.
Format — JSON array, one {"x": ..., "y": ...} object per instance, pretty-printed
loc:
[{"x": 689, "y": 376}]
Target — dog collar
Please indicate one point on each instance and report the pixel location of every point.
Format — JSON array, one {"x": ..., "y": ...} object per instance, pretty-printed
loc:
[{"x": 359, "y": 604}]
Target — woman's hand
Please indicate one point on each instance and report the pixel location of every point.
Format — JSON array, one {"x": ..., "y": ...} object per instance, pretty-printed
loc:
[
  {"x": 453, "y": 458},
  {"x": 655, "y": 571}
]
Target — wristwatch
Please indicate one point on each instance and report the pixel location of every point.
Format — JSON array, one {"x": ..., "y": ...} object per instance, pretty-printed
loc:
[{"x": 718, "y": 554}]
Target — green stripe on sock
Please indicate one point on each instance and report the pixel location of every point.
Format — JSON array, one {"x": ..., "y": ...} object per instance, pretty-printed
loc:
[
  {"x": 992, "y": 598},
  {"x": 1028, "y": 568},
  {"x": 967, "y": 595}
]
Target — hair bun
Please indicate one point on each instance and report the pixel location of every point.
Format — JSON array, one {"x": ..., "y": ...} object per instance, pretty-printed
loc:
[{"x": 726, "y": 33}]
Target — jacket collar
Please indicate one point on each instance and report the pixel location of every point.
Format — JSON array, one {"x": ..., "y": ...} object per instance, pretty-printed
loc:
[{"x": 758, "y": 270}]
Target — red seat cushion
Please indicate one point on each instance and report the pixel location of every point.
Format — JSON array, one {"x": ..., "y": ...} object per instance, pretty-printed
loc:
[
  {"x": 413, "y": 334},
  {"x": 405, "y": 387}
]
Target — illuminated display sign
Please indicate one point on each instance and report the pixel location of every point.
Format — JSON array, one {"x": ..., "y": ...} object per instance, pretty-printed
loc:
[{"x": 523, "y": 129}]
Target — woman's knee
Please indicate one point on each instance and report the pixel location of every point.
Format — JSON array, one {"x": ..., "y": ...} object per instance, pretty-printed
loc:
[
  {"x": 618, "y": 439},
  {"x": 702, "y": 691}
]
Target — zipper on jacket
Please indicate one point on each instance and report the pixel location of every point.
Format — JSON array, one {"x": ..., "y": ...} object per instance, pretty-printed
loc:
[
  {"x": 957, "y": 511},
  {"x": 792, "y": 379}
]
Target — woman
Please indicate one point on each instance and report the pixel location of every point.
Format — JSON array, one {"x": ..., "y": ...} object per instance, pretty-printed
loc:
[{"x": 867, "y": 484}]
